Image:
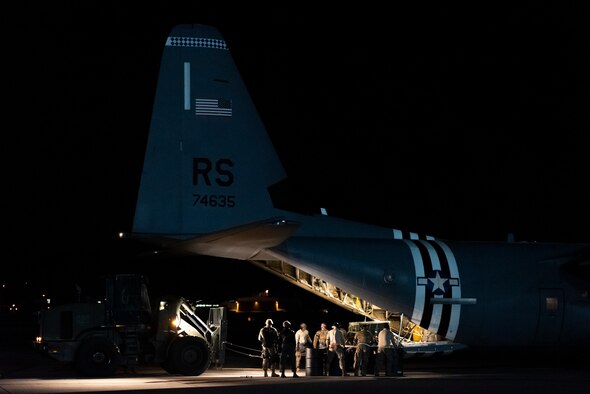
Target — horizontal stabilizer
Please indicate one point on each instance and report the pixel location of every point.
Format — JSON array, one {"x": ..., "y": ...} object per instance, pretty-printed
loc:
[
  {"x": 159, "y": 241},
  {"x": 243, "y": 242}
]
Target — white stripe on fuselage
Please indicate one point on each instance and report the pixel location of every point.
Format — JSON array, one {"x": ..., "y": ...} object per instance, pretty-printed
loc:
[
  {"x": 437, "y": 308},
  {"x": 456, "y": 291},
  {"x": 420, "y": 290}
]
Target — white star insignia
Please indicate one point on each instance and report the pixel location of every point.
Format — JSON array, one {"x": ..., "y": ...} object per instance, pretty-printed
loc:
[{"x": 438, "y": 283}]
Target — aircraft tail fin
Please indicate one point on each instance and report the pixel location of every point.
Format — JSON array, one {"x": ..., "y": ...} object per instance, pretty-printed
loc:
[{"x": 209, "y": 161}]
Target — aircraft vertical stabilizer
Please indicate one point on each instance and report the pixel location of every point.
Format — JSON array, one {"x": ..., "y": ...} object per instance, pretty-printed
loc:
[{"x": 209, "y": 160}]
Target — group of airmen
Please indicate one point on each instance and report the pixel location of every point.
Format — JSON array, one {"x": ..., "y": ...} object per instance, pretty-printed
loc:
[{"x": 280, "y": 348}]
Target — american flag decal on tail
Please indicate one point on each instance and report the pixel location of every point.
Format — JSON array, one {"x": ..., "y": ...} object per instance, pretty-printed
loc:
[{"x": 213, "y": 107}]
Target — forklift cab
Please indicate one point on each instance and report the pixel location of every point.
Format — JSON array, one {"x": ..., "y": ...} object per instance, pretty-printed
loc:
[{"x": 127, "y": 300}]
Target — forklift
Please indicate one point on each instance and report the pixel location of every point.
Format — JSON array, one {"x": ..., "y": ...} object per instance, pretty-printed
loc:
[{"x": 124, "y": 330}]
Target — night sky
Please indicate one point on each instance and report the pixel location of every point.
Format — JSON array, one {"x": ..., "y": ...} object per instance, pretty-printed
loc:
[{"x": 459, "y": 122}]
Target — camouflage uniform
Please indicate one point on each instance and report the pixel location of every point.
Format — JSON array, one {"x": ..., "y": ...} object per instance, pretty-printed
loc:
[
  {"x": 287, "y": 349},
  {"x": 268, "y": 337},
  {"x": 362, "y": 340},
  {"x": 320, "y": 342}
]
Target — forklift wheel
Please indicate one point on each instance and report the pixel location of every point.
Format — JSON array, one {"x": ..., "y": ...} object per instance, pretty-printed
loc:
[
  {"x": 97, "y": 357},
  {"x": 168, "y": 366},
  {"x": 189, "y": 356}
]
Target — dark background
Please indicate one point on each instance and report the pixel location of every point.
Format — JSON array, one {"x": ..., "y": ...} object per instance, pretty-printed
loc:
[{"x": 462, "y": 122}]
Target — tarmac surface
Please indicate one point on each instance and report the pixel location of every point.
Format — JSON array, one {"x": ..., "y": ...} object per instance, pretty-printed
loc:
[{"x": 29, "y": 372}]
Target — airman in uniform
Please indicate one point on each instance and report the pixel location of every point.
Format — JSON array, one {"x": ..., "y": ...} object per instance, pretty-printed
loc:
[
  {"x": 268, "y": 337},
  {"x": 362, "y": 341},
  {"x": 336, "y": 342},
  {"x": 320, "y": 342},
  {"x": 386, "y": 351}
]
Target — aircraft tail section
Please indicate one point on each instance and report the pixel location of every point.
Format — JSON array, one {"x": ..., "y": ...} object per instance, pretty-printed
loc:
[{"x": 209, "y": 161}]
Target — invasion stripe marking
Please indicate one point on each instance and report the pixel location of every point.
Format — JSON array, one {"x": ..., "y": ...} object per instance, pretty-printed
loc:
[
  {"x": 445, "y": 309},
  {"x": 455, "y": 283},
  {"x": 437, "y": 278},
  {"x": 399, "y": 234},
  {"x": 420, "y": 299},
  {"x": 437, "y": 309},
  {"x": 428, "y": 307}
]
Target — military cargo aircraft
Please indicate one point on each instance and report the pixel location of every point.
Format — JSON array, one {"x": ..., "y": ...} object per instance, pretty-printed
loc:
[{"x": 208, "y": 187}]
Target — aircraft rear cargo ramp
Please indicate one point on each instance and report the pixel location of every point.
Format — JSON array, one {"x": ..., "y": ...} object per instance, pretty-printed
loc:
[{"x": 416, "y": 340}]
